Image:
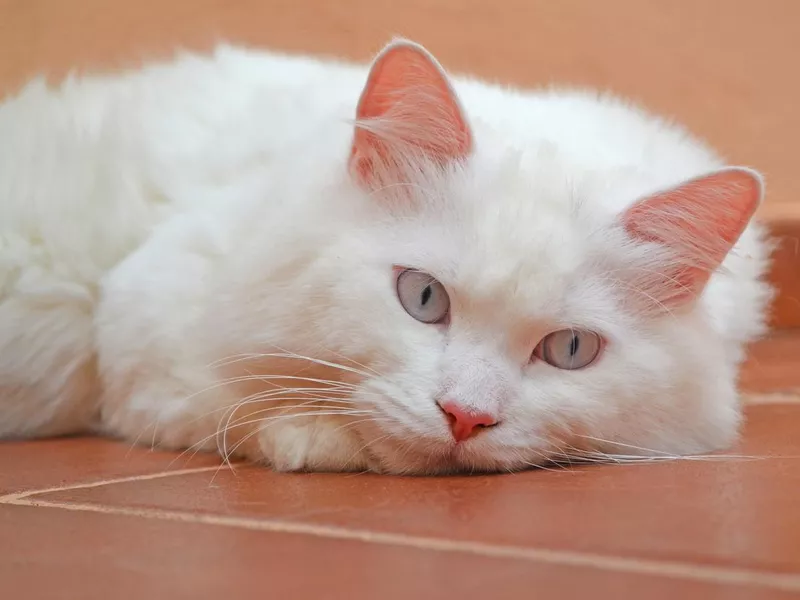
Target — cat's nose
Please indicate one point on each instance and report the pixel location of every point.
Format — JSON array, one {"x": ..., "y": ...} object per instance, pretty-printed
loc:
[{"x": 465, "y": 423}]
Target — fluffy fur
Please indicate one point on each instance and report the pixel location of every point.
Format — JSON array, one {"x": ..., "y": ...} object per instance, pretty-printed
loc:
[{"x": 191, "y": 257}]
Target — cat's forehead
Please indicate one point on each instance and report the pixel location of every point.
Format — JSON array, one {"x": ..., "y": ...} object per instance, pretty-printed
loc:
[
  {"x": 516, "y": 256},
  {"x": 511, "y": 235}
]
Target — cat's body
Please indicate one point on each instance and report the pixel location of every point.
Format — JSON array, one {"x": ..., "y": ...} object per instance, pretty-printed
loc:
[{"x": 188, "y": 259}]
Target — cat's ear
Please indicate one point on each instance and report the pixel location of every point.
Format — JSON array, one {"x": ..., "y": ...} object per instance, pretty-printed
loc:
[
  {"x": 407, "y": 112},
  {"x": 698, "y": 222}
]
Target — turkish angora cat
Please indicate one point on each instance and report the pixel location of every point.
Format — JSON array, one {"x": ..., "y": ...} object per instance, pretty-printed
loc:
[{"x": 211, "y": 254}]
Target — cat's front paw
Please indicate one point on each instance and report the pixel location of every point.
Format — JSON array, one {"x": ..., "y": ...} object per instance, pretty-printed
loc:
[{"x": 314, "y": 443}]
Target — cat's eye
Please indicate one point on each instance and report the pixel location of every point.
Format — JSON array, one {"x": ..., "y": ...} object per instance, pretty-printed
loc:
[
  {"x": 422, "y": 296},
  {"x": 569, "y": 349}
]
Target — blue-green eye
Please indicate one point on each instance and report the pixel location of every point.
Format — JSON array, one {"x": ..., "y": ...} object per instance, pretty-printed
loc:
[{"x": 569, "y": 349}]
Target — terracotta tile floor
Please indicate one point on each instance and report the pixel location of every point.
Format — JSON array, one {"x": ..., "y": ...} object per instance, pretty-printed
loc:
[{"x": 87, "y": 518}]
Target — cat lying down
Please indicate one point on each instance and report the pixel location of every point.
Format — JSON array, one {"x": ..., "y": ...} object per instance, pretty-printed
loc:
[{"x": 328, "y": 268}]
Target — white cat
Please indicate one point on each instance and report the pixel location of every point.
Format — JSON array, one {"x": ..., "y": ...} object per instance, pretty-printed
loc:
[{"x": 212, "y": 254}]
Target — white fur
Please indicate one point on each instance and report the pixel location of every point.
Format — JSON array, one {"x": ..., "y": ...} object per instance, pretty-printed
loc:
[{"x": 173, "y": 238}]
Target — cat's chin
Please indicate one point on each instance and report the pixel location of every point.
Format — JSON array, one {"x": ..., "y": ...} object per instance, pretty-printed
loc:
[{"x": 396, "y": 457}]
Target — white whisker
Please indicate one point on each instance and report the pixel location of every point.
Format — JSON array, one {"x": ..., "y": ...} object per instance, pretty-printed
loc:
[{"x": 271, "y": 421}]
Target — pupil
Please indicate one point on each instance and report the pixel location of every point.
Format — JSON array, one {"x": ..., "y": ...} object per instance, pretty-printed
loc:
[
  {"x": 574, "y": 344},
  {"x": 426, "y": 295}
]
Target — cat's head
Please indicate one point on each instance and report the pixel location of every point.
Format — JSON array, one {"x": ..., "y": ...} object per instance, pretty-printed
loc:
[{"x": 501, "y": 314}]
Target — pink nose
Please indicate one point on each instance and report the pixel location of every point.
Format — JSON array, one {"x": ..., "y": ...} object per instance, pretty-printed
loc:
[{"x": 463, "y": 423}]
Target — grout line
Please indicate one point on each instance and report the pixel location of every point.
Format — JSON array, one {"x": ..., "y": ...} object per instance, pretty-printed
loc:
[
  {"x": 786, "y": 397},
  {"x": 617, "y": 564},
  {"x": 17, "y": 496}
]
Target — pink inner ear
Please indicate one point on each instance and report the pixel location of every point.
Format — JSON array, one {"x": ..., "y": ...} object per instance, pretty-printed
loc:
[
  {"x": 407, "y": 111},
  {"x": 699, "y": 222}
]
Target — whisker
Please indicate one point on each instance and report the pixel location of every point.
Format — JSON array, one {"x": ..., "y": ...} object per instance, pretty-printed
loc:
[
  {"x": 317, "y": 361},
  {"x": 596, "y": 456},
  {"x": 624, "y": 445},
  {"x": 242, "y": 421},
  {"x": 335, "y": 409},
  {"x": 271, "y": 421},
  {"x": 283, "y": 353},
  {"x": 355, "y": 362},
  {"x": 195, "y": 448}
]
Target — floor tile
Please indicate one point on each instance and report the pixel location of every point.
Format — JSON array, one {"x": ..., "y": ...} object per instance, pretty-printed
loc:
[
  {"x": 59, "y": 462},
  {"x": 738, "y": 512},
  {"x": 124, "y": 557}
]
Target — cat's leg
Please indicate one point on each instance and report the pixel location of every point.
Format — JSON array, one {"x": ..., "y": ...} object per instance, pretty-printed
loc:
[
  {"x": 313, "y": 443},
  {"x": 197, "y": 414},
  {"x": 168, "y": 411},
  {"x": 157, "y": 416}
]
